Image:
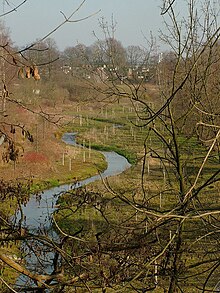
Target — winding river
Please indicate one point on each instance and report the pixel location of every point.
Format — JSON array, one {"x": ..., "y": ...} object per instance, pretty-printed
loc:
[{"x": 38, "y": 213}]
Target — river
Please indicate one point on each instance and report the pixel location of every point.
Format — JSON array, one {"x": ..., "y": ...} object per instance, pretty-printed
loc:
[{"x": 38, "y": 213}]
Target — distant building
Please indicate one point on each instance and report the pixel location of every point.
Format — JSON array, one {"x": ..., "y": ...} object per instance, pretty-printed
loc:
[{"x": 66, "y": 69}]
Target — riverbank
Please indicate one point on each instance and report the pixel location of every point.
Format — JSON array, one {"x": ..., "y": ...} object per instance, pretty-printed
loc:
[
  {"x": 53, "y": 164},
  {"x": 38, "y": 213}
]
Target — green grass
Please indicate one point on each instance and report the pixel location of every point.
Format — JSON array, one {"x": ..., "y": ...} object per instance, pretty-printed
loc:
[{"x": 128, "y": 141}]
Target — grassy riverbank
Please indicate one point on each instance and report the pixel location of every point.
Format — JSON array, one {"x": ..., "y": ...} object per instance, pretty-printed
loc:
[
  {"x": 121, "y": 205},
  {"x": 105, "y": 210}
]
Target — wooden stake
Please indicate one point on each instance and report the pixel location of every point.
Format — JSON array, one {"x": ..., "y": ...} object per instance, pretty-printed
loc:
[
  {"x": 89, "y": 149},
  {"x": 63, "y": 159},
  {"x": 155, "y": 273},
  {"x": 164, "y": 175},
  {"x": 80, "y": 120},
  {"x": 70, "y": 164}
]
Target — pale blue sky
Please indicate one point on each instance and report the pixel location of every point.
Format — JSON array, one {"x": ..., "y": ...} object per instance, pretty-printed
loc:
[{"x": 37, "y": 17}]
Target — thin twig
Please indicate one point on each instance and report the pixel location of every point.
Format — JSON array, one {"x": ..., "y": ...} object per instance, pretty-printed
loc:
[{"x": 14, "y": 9}]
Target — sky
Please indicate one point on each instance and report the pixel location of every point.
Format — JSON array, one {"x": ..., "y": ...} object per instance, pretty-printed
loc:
[{"x": 35, "y": 18}]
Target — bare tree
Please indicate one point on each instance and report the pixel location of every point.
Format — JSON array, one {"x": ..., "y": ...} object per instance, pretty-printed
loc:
[
  {"x": 162, "y": 233},
  {"x": 176, "y": 230},
  {"x": 24, "y": 65}
]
